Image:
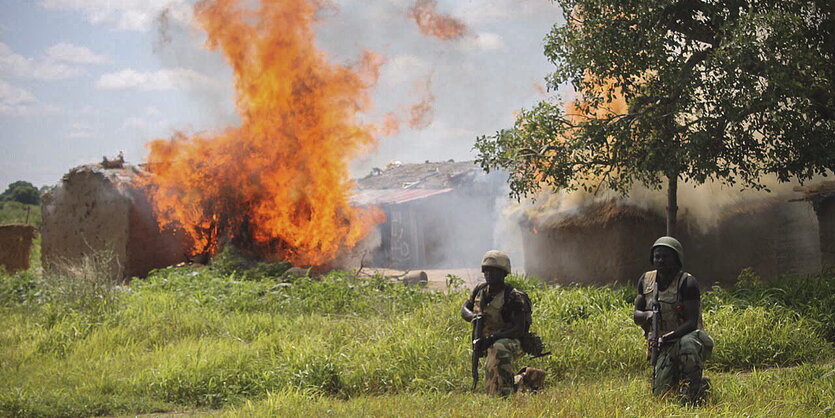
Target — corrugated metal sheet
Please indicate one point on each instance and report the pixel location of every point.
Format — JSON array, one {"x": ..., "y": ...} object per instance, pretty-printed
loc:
[{"x": 393, "y": 196}]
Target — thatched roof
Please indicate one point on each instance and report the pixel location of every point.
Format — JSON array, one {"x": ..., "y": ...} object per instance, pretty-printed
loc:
[
  {"x": 428, "y": 175},
  {"x": 121, "y": 175},
  {"x": 817, "y": 191},
  {"x": 598, "y": 214}
]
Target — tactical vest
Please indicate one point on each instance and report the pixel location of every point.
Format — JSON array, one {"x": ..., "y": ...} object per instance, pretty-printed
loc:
[
  {"x": 670, "y": 298},
  {"x": 492, "y": 312}
]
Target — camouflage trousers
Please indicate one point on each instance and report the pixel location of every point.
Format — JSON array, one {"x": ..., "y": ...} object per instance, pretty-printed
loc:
[
  {"x": 681, "y": 361},
  {"x": 498, "y": 370}
]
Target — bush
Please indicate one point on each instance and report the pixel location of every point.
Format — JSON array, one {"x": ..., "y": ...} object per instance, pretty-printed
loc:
[
  {"x": 19, "y": 288},
  {"x": 232, "y": 261}
]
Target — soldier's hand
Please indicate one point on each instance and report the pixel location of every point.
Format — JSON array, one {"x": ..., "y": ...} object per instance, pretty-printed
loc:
[{"x": 485, "y": 342}]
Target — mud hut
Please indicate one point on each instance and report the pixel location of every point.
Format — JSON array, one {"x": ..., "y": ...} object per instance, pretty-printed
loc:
[
  {"x": 438, "y": 214},
  {"x": 822, "y": 198},
  {"x": 98, "y": 209},
  {"x": 15, "y": 243},
  {"x": 606, "y": 242},
  {"x": 601, "y": 243}
]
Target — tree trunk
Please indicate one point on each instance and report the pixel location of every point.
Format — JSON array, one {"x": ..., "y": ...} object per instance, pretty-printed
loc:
[{"x": 672, "y": 207}]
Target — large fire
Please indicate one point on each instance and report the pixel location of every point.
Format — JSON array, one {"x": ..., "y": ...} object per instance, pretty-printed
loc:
[{"x": 279, "y": 182}]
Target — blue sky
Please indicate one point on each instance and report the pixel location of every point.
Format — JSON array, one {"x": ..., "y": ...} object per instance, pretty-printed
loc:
[{"x": 80, "y": 79}]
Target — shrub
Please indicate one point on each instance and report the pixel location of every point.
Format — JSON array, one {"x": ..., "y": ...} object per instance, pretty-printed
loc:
[
  {"x": 19, "y": 288},
  {"x": 232, "y": 261}
]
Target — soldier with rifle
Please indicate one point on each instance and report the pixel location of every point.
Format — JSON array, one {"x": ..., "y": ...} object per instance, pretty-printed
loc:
[
  {"x": 501, "y": 318},
  {"x": 668, "y": 308}
]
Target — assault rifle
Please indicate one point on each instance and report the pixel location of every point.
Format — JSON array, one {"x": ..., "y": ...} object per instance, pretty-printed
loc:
[
  {"x": 655, "y": 346},
  {"x": 478, "y": 345}
]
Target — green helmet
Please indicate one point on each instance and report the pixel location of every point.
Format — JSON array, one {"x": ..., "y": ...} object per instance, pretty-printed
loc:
[
  {"x": 496, "y": 258},
  {"x": 671, "y": 243}
]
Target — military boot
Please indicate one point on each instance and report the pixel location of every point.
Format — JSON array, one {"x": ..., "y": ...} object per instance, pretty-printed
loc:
[{"x": 694, "y": 388}]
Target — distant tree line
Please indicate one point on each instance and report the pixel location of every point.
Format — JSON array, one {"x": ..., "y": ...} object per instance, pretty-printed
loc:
[{"x": 23, "y": 192}]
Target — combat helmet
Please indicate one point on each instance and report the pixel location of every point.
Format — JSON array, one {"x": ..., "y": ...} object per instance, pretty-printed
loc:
[
  {"x": 671, "y": 243},
  {"x": 496, "y": 258}
]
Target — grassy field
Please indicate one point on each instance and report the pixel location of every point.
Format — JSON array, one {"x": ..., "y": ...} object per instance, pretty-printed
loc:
[{"x": 207, "y": 341}]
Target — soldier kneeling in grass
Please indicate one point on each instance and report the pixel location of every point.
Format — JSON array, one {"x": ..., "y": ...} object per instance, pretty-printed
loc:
[
  {"x": 668, "y": 308},
  {"x": 501, "y": 317}
]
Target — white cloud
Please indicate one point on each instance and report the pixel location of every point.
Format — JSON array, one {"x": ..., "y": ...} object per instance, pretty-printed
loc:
[
  {"x": 136, "y": 15},
  {"x": 42, "y": 68},
  {"x": 169, "y": 79},
  {"x": 75, "y": 54},
  {"x": 11, "y": 95},
  {"x": 79, "y": 130},
  {"x": 15, "y": 101}
]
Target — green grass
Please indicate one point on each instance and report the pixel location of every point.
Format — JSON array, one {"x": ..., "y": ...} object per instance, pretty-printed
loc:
[
  {"x": 206, "y": 339},
  {"x": 804, "y": 391},
  {"x": 16, "y": 212}
]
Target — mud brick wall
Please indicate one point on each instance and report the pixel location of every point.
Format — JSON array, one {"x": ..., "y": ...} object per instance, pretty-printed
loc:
[
  {"x": 15, "y": 243},
  {"x": 773, "y": 239},
  {"x": 97, "y": 210}
]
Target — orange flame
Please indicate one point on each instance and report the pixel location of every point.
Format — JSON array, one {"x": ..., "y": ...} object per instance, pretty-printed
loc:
[
  {"x": 280, "y": 180},
  {"x": 432, "y": 23}
]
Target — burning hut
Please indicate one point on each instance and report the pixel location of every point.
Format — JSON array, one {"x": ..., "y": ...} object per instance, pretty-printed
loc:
[
  {"x": 99, "y": 209},
  {"x": 601, "y": 243},
  {"x": 438, "y": 214},
  {"x": 605, "y": 242}
]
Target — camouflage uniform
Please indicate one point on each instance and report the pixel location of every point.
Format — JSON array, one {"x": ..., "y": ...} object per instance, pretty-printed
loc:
[
  {"x": 499, "y": 370},
  {"x": 681, "y": 359}
]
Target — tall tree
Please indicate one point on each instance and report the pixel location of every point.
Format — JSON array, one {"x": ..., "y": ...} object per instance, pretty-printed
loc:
[
  {"x": 727, "y": 90},
  {"x": 23, "y": 192}
]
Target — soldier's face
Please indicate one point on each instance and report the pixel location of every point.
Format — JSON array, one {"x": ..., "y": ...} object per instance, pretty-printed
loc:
[
  {"x": 665, "y": 259},
  {"x": 493, "y": 275}
]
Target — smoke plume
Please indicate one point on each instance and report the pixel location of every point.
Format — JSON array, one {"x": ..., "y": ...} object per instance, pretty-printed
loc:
[{"x": 432, "y": 23}]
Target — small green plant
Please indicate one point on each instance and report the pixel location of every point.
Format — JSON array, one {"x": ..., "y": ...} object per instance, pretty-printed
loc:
[
  {"x": 19, "y": 288},
  {"x": 525, "y": 282},
  {"x": 453, "y": 283}
]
